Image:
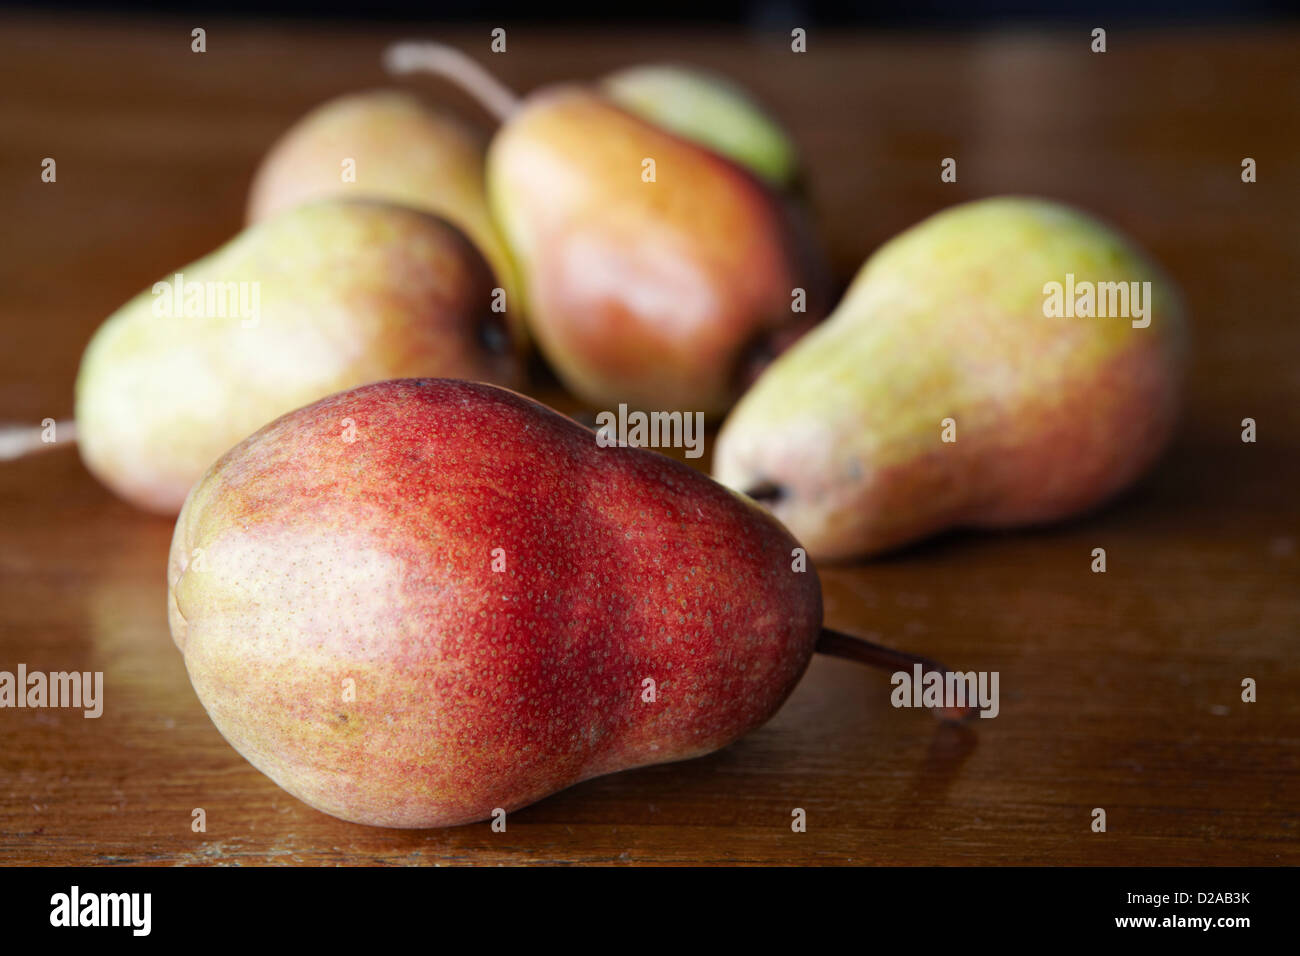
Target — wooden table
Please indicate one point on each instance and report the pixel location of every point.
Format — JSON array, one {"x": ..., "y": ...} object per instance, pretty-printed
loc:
[{"x": 1119, "y": 690}]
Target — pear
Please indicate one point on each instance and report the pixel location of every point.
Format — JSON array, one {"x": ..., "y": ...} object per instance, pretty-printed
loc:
[
  {"x": 324, "y": 297},
  {"x": 965, "y": 381},
  {"x": 468, "y": 604},
  {"x": 656, "y": 272},
  {"x": 709, "y": 109},
  {"x": 400, "y": 150}
]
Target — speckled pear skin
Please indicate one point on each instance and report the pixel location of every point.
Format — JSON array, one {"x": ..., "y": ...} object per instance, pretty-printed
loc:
[
  {"x": 406, "y": 152},
  {"x": 709, "y": 109},
  {"x": 302, "y": 561},
  {"x": 350, "y": 292},
  {"x": 1053, "y": 415},
  {"x": 659, "y": 294}
]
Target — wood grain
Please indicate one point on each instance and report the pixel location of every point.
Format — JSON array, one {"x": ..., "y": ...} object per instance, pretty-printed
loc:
[{"x": 1119, "y": 691}]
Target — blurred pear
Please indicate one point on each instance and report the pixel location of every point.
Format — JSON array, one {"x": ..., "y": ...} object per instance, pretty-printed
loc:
[
  {"x": 943, "y": 393},
  {"x": 710, "y": 110},
  {"x": 392, "y": 147},
  {"x": 656, "y": 273},
  {"x": 323, "y": 297}
]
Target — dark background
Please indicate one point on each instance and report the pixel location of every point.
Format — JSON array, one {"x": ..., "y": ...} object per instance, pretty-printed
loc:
[{"x": 758, "y": 13}]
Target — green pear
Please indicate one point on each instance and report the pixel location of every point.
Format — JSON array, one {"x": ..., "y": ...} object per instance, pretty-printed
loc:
[
  {"x": 388, "y": 145},
  {"x": 709, "y": 109},
  {"x": 324, "y": 297},
  {"x": 1006, "y": 362}
]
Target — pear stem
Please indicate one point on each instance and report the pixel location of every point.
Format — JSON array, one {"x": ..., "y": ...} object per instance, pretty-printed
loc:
[
  {"x": 412, "y": 56},
  {"x": 22, "y": 441},
  {"x": 838, "y": 644}
]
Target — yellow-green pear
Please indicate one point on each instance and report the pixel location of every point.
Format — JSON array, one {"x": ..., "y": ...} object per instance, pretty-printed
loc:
[
  {"x": 711, "y": 110},
  {"x": 1006, "y": 362},
  {"x": 389, "y": 145},
  {"x": 324, "y": 297}
]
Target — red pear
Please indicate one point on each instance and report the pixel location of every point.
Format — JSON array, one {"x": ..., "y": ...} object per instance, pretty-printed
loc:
[{"x": 416, "y": 602}]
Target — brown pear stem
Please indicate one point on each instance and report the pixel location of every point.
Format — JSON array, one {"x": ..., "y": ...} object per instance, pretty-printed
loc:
[
  {"x": 838, "y": 644},
  {"x": 412, "y": 56},
  {"x": 23, "y": 441}
]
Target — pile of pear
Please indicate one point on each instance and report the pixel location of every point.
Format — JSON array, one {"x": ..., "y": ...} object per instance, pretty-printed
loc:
[
  {"x": 387, "y": 241},
  {"x": 413, "y": 597}
]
